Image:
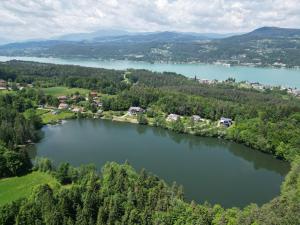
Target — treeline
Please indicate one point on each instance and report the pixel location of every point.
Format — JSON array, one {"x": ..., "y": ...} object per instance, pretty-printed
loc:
[
  {"x": 19, "y": 125},
  {"x": 13, "y": 162},
  {"x": 120, "y": 195},
  {"x": 15, "y": 129},
  {"x": 47, "y": 75}
]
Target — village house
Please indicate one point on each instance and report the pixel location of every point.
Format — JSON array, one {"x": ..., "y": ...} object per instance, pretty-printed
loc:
[
  {"x": 196, "y": 118},
  {"x": 172, "y": 117},
  {"x": 257, "y": 86},
  {"x": 99, "y": 104},
  {"x": 62, "y": 98},
  {"x": 63, "y": 106},
  {"x": 226, "y": 121},
  {"x": 94, "y": 94},
  {"x": 77, "y": 110},
  {"x": 3, "y": 85},
  {"x": 135, "y": 110},
  {"x": 295, "y": 92}
]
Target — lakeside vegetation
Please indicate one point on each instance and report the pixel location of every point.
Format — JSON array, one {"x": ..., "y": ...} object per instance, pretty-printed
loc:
[
  {"x": 120, "y": 195},
  {"x": 266, "y": 120}
]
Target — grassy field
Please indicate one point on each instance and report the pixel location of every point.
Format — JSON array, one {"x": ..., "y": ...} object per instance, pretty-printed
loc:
[
  {"x": 3, "y": 92},
  {"x": 19, "y": 187},
  {"x": 57, "y": 91},
  {"x": 50, "y": 118}
]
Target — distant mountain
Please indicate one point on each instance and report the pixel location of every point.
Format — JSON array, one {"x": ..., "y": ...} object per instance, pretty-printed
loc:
[
  {"x": 264, "y": 33},
  {"x": 92, "y": 35},
  {"x": 271, "y": 32},
  {"x": 266, "y": 46},
  {"x": 161, "y": 37},
  {"x": 120, "y": 35}
]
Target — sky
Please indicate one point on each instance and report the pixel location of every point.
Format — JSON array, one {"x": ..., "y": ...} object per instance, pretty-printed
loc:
[{"x": 35, "y": 19}]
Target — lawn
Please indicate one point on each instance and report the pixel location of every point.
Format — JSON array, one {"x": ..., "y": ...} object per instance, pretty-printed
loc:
[
  {"x": 58, "y": 91},
  {"x": 50, "y": 118},
  {"x": 20, "y": 187},
  {"x": 3, "y": 92}
]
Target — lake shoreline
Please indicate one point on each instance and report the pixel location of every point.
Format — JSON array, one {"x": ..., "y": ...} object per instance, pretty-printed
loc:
[
  {"x": 122, "y": 119},
  {"x": 102, "y": 137},
  {"x": 160, "y": 62},
  {"x": 273, "y": 76}
]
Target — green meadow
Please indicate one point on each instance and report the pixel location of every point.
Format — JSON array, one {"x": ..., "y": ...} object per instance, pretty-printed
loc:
[
  {"x": 53, "y": 118},
  {"x": 57, "y": 91},
  {"x": 14, "y": 188}
]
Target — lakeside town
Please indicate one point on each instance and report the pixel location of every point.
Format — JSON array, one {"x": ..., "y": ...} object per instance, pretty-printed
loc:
[{"x": 254, "y": 85}]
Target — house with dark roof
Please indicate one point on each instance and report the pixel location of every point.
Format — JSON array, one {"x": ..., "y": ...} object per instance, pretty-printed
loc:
[
  {"x": 62, "y": 98},
  {"x": 226, "y": 121},
  {"x": 3, "y": 85}
]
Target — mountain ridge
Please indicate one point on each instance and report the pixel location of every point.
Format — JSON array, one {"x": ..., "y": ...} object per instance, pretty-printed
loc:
[{"x": 265, "y": 46}]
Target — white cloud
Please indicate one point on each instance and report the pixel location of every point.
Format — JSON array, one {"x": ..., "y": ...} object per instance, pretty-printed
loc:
[{"x": 23, "y": 19}]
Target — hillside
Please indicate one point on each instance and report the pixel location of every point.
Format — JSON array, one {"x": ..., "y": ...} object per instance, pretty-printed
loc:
[{"x": 266, "y": 46}]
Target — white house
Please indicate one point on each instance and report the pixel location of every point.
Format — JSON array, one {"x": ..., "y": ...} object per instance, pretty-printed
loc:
[
  {"x": 196, "y": 118},
  {"x": 135, "y": 110},
  {"x": 63, "y": 106},
  {"x": 172, "y": 117},
  {"x": 77, "y": 110}
]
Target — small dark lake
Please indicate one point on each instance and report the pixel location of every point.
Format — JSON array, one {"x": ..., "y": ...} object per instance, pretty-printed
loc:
[{"x": 210, "y": 169}]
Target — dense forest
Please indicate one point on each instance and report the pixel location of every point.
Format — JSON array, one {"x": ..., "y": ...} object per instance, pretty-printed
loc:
[
  {"x": 267, "y": 120},
  {"x": 120, "y": 195}
]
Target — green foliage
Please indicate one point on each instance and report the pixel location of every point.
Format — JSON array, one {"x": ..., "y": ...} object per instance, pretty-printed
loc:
[
  {"x": 121, "y": 196},
  {"x": 43, "y": 165},
  {"x": 177, "y": 126},
  {"x": 142, "y": 119},
  {"x": 280, "y": 138},
  {"x": 13, "y": 162},
  {"x": 65, "y": 173}
]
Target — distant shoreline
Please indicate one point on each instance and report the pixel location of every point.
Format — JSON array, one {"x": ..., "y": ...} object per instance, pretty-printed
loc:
[{"x": 217, "y": 63}]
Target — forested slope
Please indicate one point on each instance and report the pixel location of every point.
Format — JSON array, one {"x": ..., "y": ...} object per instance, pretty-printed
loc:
[{"x": 268, "y": 121}]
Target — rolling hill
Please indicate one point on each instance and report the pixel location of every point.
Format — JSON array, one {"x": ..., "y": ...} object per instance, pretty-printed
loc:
[{"x": 266, "y": 46}]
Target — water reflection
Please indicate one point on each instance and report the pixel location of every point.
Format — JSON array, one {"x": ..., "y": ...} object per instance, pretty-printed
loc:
[
  {"x": 259, "y": 159},
  {"x": 210, "y": 169}
]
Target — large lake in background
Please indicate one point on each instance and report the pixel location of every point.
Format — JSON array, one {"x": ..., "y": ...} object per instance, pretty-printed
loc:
[
  {"x": 210, "y": 169},
  {"x": 270, "y": 76}
]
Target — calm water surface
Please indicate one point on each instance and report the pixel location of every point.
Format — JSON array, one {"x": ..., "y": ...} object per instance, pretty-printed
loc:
[
  {"x": 270, "y": 76},
  {"x": 210, "y": 169}
]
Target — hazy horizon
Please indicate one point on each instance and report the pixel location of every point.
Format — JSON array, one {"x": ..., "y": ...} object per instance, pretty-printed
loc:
[{"x": 33, "y": 19}]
